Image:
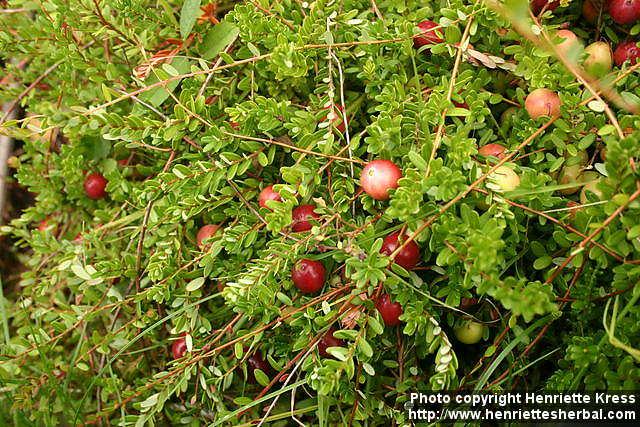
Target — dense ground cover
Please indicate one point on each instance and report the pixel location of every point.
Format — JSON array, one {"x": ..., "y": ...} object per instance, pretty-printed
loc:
[{"x": 287, "y": 210}]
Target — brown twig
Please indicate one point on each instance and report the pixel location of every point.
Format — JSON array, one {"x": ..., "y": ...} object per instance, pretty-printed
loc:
[
  {"x": 593, "y": 235},
  {"x": 614, "y": 254}
]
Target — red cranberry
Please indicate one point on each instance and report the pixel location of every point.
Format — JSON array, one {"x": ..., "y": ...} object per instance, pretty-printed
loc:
[
  {"x": 308, "y": 276},
  {"x": 378, "y": 177},
  {"x": 48, "y": 225},
  {"x": 493, "y": 150},
  {"x": 626, "y": 51},
  {"x": 390, "y": 311},
  {"x": 538, "y": 5},
  {"x": 44, "y": 225},
  {"x": 408, "y": 257},
  {"x": 266, "y": 194},
  {"x": 179, "y": 348},
  {"x": 624, "y": 12},
  {"x": 462, "y": 104},
  {"x": 301, "y": 216},
  {"x": 95, "y": 185},
  {"x": 428, "y": 35},
  {"x": 590, "y": 11},
  {"x": 328, "y": 340},
  {"x": 205, "y": 232}
]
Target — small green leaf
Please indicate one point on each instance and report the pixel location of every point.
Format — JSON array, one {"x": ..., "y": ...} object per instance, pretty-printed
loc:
[
  {"x": 365, "y": 348},
  {"x": 158, "y": 95},
  {"x": 542, "y": 263},
  {"x": 262, "y": 159},
  {"x": 106, "y": 92},
  {"x": 597, "y": 106},
  {"x": 458, "y": 112},
  {"x": 170, "y": 70},
  {"x": 606, "y": 130},
  {"x": 417, "y": 160},
  {"x": 375, "y": 325},
  {"x": 452, "y": 34},
  {"x": 253, "y": 49},
  {"x": 79, "y": 271},
  {"x": 218, "y": 38},
  {"x": 633, "y": 232},
  {"x": 368, "y": 369},
  {"x": 261, "y": 377},
  {"x": 150, "y": 401},
  {"x": 283, "y": 298},
  {"x": 195, "y": 284},
  {"x": 346, "y": 334},
  {"x": 339, "y": 353},
  {"x": 490, "y": 351},
  {"x": 238, "y": 350},
  {"x": 82, "y": 366},
  {"x": 188, "y": 16}
]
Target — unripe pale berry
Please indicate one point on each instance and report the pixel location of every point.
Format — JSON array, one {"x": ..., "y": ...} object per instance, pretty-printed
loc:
[
  {"x": 542, "y": 103},
  {"x": 378, "y": 177},
  {"x": 205, "y": 232},
  {"x": 268, "y": 193},
  {"x": 492, "y": 150},
  {"x": 581, "y": 157},
  {"x": 470, "y": 332},
  {"x": 505, "y": 178},
  {"x": 599, "y": 59},
  {"x": 592, "y": 179},
  {"x": 508, "y": 116},
  {"x": 570, "y": 175},
  {"x": 569, "y": 43}
]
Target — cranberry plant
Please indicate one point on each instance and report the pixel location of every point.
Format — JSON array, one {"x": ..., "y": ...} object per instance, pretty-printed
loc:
[{"x": 263, "y": 211}]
